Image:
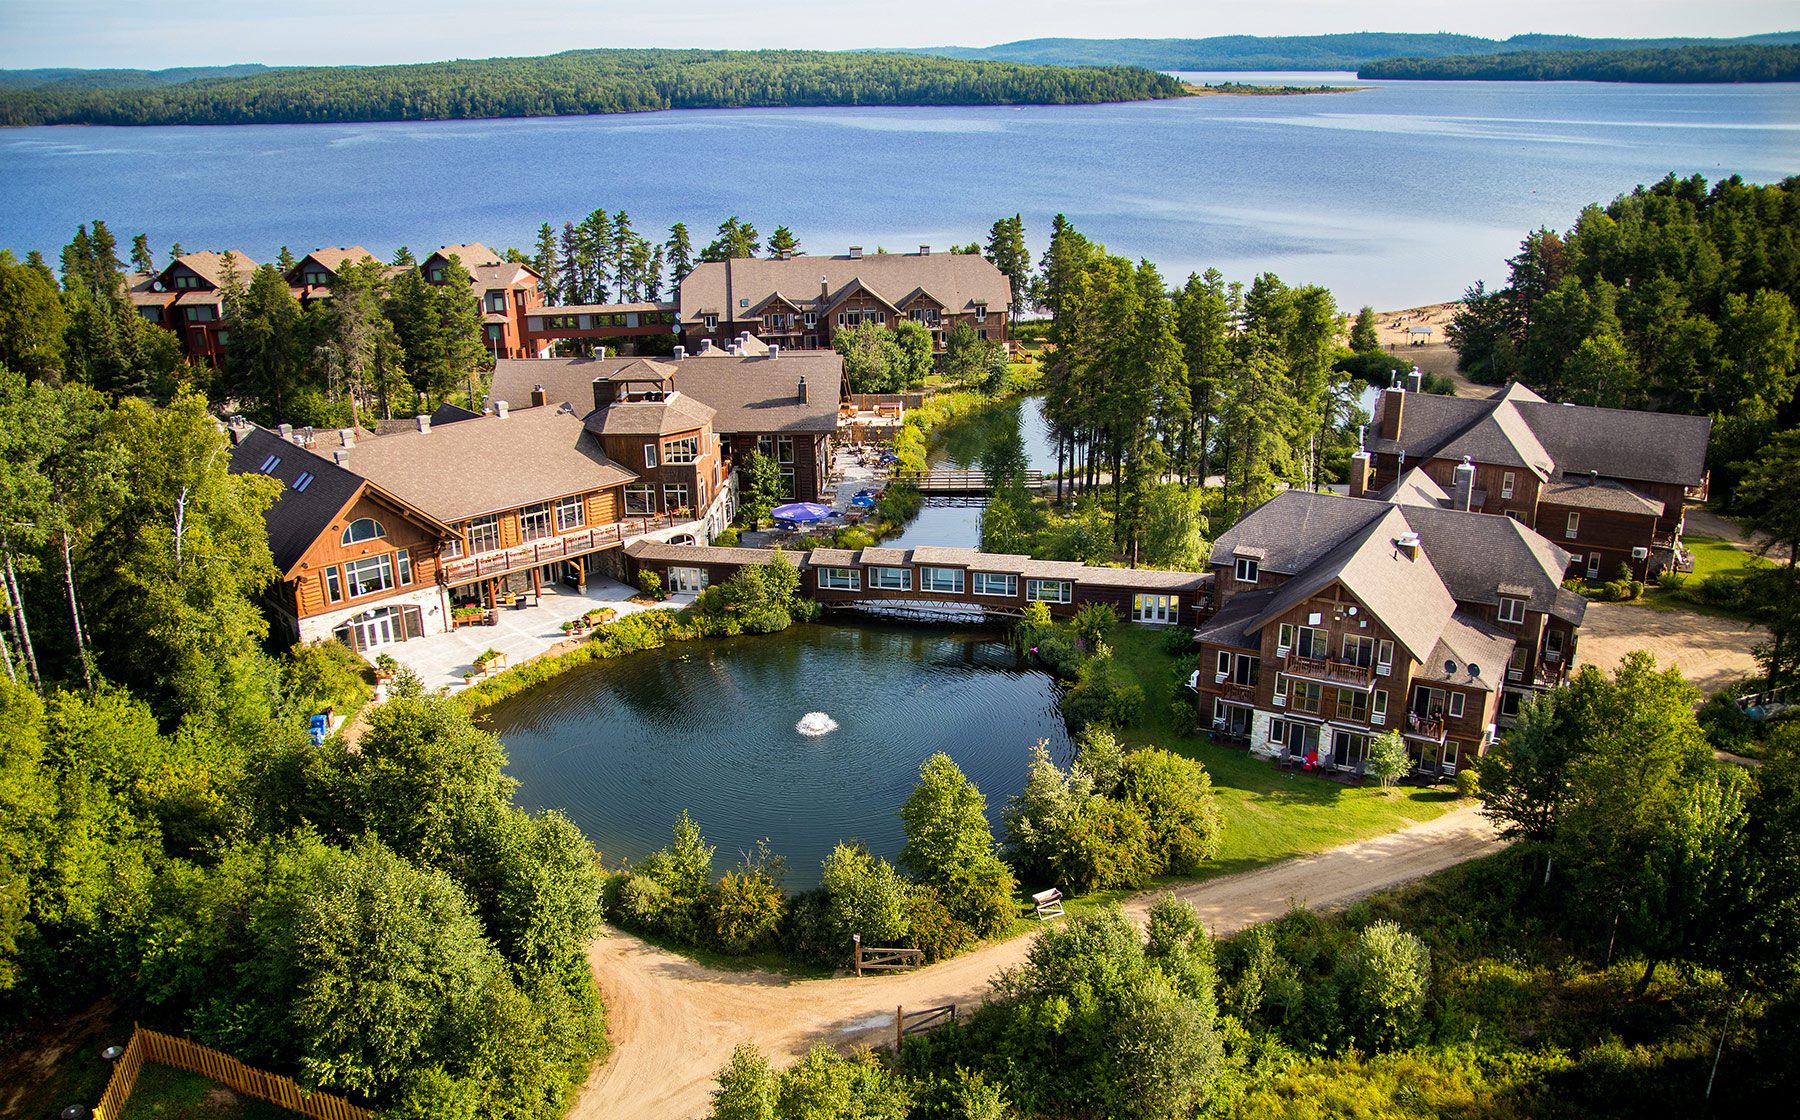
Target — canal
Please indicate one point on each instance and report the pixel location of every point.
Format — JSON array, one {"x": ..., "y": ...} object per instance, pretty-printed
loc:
[{"x": 961, "y": 445}]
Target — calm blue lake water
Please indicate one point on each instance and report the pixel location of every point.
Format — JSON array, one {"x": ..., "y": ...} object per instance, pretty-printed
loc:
[
  {"x": 1395, "y": 195},
  {"x": 623, "y": 746}
]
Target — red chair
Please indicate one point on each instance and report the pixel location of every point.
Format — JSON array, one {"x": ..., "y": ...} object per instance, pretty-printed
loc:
[{"x": 1311, "y": 763}]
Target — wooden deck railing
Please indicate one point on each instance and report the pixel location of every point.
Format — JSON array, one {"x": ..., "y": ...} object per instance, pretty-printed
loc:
[
  {"x": 1328, "y": 669},
  {"x": 535, "y": 554},
  {"x": 180, "y": 1053},
  {"x": 960, "y": 481}
]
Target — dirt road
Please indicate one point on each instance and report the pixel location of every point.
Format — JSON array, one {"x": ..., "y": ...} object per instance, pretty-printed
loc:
[
  {"x": 675, "y": 1023},
  {"x": 1711, "y": 652}
]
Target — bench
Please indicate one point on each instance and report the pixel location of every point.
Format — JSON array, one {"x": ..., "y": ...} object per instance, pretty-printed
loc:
[{"x": 1048, "y": 904}]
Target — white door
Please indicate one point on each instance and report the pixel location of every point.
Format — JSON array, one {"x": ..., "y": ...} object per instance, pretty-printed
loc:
[
  {"x": 1157, "y": 609},
  {"x": 687, "y": 579},
  {"x": 376, "y": 629}
]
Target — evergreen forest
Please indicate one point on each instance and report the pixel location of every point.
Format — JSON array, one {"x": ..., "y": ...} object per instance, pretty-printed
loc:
[{"x": 1748, "y": 63}]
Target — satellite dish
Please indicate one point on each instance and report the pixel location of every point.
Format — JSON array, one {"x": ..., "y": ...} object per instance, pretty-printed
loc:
[{"x": 1351, "y": 611}]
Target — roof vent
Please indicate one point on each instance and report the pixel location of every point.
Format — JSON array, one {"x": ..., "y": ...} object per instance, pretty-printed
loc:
[
  {"x": 924, "y": 250},
  {"x": 680, "y": 353},
  {"x": 1408, "y": 543},
  {"x": 423, "y": 421},
  {"x": 774, "y": 350},
  {"x": 500, "y": 409},
  {"x": 706, "y": 346},
  {"x": 600, "y": 353},
  {"x": 285, "y": 431},
  {"x": 346, "y": 437},
  {"x": 341, "y": 456}
]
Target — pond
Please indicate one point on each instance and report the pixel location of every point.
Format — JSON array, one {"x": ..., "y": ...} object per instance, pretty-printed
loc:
[{"x": 623, "y": 746}]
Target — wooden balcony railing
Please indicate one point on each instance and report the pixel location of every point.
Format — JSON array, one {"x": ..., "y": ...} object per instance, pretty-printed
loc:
[
  {"x": 1424, "y": 727},
  {"x": 1231, "y": 690},
  {"x": 488, "y": 565},
  {"x": 1328, "y": 670}
]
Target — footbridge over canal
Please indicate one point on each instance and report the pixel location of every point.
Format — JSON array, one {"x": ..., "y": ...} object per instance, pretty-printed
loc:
[
  {"x": 946, "y": 483},
  {"x": 953, "y": 581}
]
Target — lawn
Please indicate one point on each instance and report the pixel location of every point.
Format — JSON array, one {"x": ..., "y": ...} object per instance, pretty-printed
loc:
[
  {"x": 1270, "y": 815},
  {"x": 1712, "y": 557},
  {"x": 167, "y": 1094}
]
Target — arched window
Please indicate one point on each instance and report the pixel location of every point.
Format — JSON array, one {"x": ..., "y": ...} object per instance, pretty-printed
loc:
[{"x": 363, "y": 529}]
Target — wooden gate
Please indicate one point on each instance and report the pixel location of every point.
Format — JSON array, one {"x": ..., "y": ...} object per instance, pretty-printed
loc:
[{"x": 887, "y": 960}]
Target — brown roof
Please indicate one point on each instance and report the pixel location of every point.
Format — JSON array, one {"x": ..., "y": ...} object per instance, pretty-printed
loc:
[
  {"x": 332, "y": 258},
  {"x": 470, "y": 255},
  {"x": 489, "y": 464},
  {"x": 676, "y": 412},
  {"x": 210, "y": 266},
  {"x": 599, "y": 308},
  {"x": 1585, "y": 493},
  {"x": 732, "y": 289},
  {"x": 505, "y": 274},
  {"x": 747, "y": 394},
  {"x": 1470, "y": 653}
]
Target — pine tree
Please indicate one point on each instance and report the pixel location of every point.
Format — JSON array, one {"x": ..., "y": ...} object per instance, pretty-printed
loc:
[
  {"x": 736, "y": 238},
  {"x": 285, "y": 261},
  {"x": 1364, "y": 339},
  {"x": 141, "y": 259},
  {"x": 572, "y": 286},
  {"x": 627, "y": 279},
  {"x": 1203, "y": 322},
  {"x": 544, "y": 262},
  {"x": 1007, "y": 251},
  {"x": 594, "y": 251},
  {"x": 403, "y": 258},
  {"x": 783, "y": 244},
  {"x": 264, "y": 375},
  {"x": 678, "y": 251}
]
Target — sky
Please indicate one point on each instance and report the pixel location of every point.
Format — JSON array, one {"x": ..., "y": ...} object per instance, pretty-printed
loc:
[{"x": 149, "y": 35}]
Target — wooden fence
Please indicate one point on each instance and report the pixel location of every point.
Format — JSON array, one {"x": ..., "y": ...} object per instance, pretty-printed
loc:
[
  {"x": 179, "y": 1053},
  {"x": 884, "y": 959}
]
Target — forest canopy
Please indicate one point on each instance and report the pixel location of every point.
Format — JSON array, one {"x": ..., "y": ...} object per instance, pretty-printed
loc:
[
  {"x": 580, "y": 82},
  {"x": 1680, "y": 64}
]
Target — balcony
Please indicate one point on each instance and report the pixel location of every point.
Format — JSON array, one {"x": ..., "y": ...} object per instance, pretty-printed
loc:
[
  {"x": 491, "y": 565},
  {"x": 1328, "y": 670},
  {"x": 1231, "y": 690},
  {"x": 1429, "y": 728}
]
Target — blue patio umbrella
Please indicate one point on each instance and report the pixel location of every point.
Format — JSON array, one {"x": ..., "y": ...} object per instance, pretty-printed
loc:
[
  {"x": 889, "y": 457},
  {"x": 863, "y": 500},
  {"x": 800, "y": 513}
]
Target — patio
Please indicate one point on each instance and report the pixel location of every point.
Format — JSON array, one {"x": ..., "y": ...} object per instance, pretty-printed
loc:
[{"x": 521, "y": 633}]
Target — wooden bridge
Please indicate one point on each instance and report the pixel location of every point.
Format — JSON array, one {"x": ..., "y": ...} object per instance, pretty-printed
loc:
[{"x": 962, "y": 484}]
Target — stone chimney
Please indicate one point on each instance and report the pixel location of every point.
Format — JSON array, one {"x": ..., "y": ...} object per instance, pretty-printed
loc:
[
  {"x": 1361, "y": 465},
  {"x": 1393, "y": 403},
  {"x": 423, "y": 421},
  {"x": 500, "y": 409},
  {"x": 1462, "y": 494},
  {"x": 803, "y": 390},
  {"x": 539, "y": 398}
]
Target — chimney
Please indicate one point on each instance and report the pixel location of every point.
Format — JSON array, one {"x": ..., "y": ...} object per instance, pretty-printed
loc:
[
  {"x": 239, "y": 428},
  {"x": 500, "y": 409},
  {"x": 824, "y": 287},
  {"x": 1462, "y": 496},
  {"x": 856, "y": 252},
  {"x": 774, "y": 350},
  {"x": 539, "y": 398},
  {"x": 803, "y": 390},
  {"x": 1360, "y": 466},
  {"x": 1593, "y": 478},
  {"x": 606, "y": 391},
  {"x": 600, "y": 353},
  {"x": 743, "y": 338},
  {"x": 423, "y": 421},
  {"x": 924, "y": 250},
  {"x": 346, "y": 437},
  {"x": 1408, "y": 544},
  {"x": 1393, "y": 403},
  {"x": 732, "y": 349},
  {"x": 706, "y": 346},
  {"x": 286, "y": 432},
  {"x": 341, "y": 456},
  {"x": 1414, "y": 379},
  {"x": 680, "y": 353}
]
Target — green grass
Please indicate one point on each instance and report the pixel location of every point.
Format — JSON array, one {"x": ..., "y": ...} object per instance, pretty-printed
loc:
[
  {"x": 1270, "y": 814},
  {"x": 1712, "y": 557},
  {"x": 172, "y": 1094}
]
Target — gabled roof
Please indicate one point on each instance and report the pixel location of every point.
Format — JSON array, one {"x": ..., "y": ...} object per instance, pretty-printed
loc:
[
  {"x": 1295, "y": 529},
  {"x": 330, "y": 259},
  {"x": 210, "y": 266},
  {"x": 1502, "y": 439},
  {"x": 471, "y": 255},
  {"x": 1584, "y": 492},
  {"x": 489, "y": 464},
  {"x": 1469, "y": 653},
  {"x": 676, "y": 412},
  {"x": 297, "y": 517},
  {"x": 505, "y": 274},
  {"x": 754, "y": 393},
  {"x": 851, "y": 287},
  {"x": 1476, "y": 552},
  {"x": 1415, "y": 488},
  {"x": 1405, "y": 593},
  {"x": 730, "y": 289}
]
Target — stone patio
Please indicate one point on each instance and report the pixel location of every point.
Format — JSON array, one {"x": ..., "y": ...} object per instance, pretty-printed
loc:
[{"x": 521, "y": 633}]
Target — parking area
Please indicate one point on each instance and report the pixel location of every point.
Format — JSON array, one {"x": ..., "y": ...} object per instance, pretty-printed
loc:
[{"x": 1711, "y": 652}]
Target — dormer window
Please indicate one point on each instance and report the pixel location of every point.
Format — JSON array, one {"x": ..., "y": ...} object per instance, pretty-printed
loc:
[
  {"x": 1512, "y": 610},
  {"x": 711, "y": 321},
  {"x": 1248, "y": 570},
  {"x": 435, "y": 274},
  {"x": 315, "y": 278},
  {"x": 981, "y": 313}
]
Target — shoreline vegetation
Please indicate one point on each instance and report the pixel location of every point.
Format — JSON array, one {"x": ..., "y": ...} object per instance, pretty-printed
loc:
[
  {"x": 1685, "y": 65},
  {"x": 578, "y": 83},
  {"x": 1246, "y": 89}
]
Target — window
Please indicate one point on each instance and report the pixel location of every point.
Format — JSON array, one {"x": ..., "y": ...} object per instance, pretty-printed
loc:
[
  {"x": 1384, "y": 657},
  {"x": 680, "y": 451},
  {"x": 941, "y": 581},
  {"x": 994, "y": 583},
  {"x": 1506, "y": 485},
  {"x": 363, "y": 529},
  {"x": 1593, "y": 564},
  {"x": 725, "y": 445},
  {"x": 334, "y": 589},
  {"x": 650, "y": 455},
  {"x": 1378, "y": 707},
  {"x": 571, "y": 513},
  {"x": 711, "y": 321},
  {"x": 1281, "y": 690},
  {"x": 640, "y": 500},
  {"x": 1573, "y": 528},
  {"x": 302, "y": 481},
  {"x": 812, "y": 318},
  {"x": 1359, "y": 651},
  {"x": 1048, "y": 590},
  {"x": 1278, "y": 731},
  {"x": 1310, "y": 641},
  {"x": 1512, "y": 610},
  {"x": 1515, "y": 664},
  {"x": 1155, "y": 609},
  {"x": 1348, "y": 749},
  {"x": 1285, "y": 639},
  {"x": 534, "y": 522},
  {"x": 981, "y": 313},
  {"x": 403, "y": 562},
  {"x": 1353, "y": 705},
  {"x": 435, "y": 274},
  {"x": 891, "y": 579},
  {"x": 840, "y": 579},
  {"x": 497, "y": 302},
  {"x": 1509, "y": 704},
  {"x": 787, "y": 482},
  {"x": 675, "y": 496},
  {"x": 369, "y": 575},
  {"x": 1456, "y": 705},
  {"x": 1248, "y": 570},
  {"x": 765, "y": 446},
  {"x": 784, "y": 449},
  {"x": 1307, "y": 696},
  {"x": 1553, "y": 646},
  {"x": 270, "y": 464},
  {"x": 1224, "y": 665},
  {"x": 484, "y": 534},
  {"x": 495, "y": 332},
  {"x": 1248, "y": 670}
]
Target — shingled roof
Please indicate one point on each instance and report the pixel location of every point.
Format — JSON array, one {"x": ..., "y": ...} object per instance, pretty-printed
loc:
[
  {"x": 676, "y": 412},
  {"x": 1516, "y": 427},
  {"x": 298, "y": 516},
  {"x": 735, "y": 289},
  {"x": 753, "y": 393}
]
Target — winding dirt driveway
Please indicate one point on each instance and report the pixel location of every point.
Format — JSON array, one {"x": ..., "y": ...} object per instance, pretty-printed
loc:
[{"x": 674, "y": 1023}]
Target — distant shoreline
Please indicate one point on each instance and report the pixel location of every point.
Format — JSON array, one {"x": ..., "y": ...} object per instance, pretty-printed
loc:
[{"x": 1242, "y": 89}]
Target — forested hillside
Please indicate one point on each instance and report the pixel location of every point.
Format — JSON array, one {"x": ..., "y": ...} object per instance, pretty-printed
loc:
[
  {"x": 1304, "y": 52},
  {"x": 68, "y": 78},
  {"x": 577, "y": 82},
  {"x": 1679, "y": 64}
]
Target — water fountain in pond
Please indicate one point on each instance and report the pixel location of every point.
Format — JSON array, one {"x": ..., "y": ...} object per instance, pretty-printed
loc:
[{"x": 816, "y": 723}]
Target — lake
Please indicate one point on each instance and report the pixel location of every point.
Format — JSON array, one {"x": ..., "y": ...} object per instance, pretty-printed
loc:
[
  {"x": 623, "y": 746},
  {"x": 1395, "y": 195}
]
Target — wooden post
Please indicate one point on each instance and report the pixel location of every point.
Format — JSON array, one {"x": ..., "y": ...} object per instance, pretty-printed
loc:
[
  {"x": 856, "y": 940},
  {"x": 899, "y": 1029}
]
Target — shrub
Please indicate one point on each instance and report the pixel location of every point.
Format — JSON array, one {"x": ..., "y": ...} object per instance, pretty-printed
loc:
[
  {"x": 1468, "y": 784},
  {"x": 728, "y": 538},
  {"x": 748, "y": 905},
  {"x": 934, "y": 928},
  {"x": 1388, "y": 758},
  {"x": 1108, "y": 847},
  {"x": 669, "y": 893},
  {"x": 1093, "y": 622},
  {"x": 1179, "y": 641},
  {"x": 863, "y": 894},
  {"x": 1101, "y": 757},
  {"x": 1098, "y": 698},
  {"x": 1672, "y": 579},
  {"x": 1386, "y": 974},
  {"x": 650, "y": 584},
  {"x": 950, "y": 847},
  {"x": 324, "y": 674},
  {"x": 1176, "y": 799}
]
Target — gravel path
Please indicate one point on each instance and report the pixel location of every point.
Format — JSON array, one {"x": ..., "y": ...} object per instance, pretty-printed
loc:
[{"x": 674, "y": 1022}]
